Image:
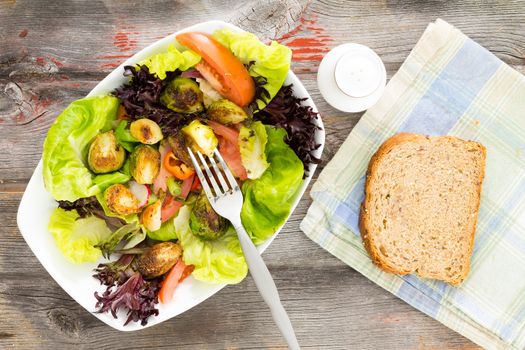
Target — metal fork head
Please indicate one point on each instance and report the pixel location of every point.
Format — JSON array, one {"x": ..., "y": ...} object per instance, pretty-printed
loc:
[{"x": 217, "y": 180}]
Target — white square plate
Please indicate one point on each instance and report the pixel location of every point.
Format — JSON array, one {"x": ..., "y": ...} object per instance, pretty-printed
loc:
[{"x": 76, "y": 279}]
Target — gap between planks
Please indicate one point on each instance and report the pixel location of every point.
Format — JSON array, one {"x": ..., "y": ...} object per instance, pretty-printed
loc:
[{"x": 13, "y": 187}]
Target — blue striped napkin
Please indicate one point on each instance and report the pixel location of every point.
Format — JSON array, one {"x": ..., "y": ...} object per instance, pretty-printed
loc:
[{"x": 448, "y": 85}]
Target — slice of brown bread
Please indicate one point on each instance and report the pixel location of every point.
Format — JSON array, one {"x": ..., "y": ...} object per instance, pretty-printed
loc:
[{"x": 421, "y": 205}]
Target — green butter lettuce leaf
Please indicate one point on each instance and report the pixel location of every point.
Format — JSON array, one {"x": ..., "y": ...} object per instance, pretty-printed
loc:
[
  {"x": 124, "y": 138},
  {"x": 170, "y": 61},
  {"x": 268, "y": 200},
  {"x": 166, "y": 232},
  {"x": 75, "y": 237},
  {"x": 270, "y": 61},
  {"x": 66, "y": 176},
  {"x": 252, "y": 142},
  {"x": 217, "y": 261}
]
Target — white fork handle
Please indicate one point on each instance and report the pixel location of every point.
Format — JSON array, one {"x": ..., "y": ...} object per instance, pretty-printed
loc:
[{"x": 266, "y": 285}]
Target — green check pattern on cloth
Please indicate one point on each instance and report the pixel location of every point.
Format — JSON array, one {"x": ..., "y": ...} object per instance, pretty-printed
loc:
[{"x": 448, "y": 85}]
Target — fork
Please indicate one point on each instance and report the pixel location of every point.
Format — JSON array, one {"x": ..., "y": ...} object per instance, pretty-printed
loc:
[{"x": 226, "y": 199}]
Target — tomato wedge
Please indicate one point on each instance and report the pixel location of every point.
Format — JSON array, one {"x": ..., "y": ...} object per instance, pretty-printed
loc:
[
  {"x": 177, "y": 274},
  {"x": 196, "y": 186},
  {"x": 230, "y": 134},
  {"x": 232, "y": 156},
  {"x": 220, "y": 67},
  {"x": 187, "y": 184},
  {"x": 176, "y": 167},
  {"x": 229, "y": 148},
  {"x": 170, "y": 207},
  {"x": 121, "y": 113}
]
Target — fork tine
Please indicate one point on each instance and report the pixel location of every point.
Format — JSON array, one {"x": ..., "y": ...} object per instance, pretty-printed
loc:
[
  {"x": 201, "y": 176},
  {"x": 211, "y": 178},
  {"x": 227, "y": 171},
  {"x": 218, "y": 172}
]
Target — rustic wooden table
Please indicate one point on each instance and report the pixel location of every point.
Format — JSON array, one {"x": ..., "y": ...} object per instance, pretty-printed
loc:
[{"x": 53, "y": 52}]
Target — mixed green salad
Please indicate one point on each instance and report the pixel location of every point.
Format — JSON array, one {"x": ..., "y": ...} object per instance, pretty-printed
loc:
[{"x": 119, "y": 169}]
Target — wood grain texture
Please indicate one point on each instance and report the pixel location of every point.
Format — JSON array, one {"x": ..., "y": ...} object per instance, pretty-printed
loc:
[{"x": 53, "y": 52}]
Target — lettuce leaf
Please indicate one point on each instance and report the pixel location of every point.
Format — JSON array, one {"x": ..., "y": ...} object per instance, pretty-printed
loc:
[
  {"x": 66, "y": 176},
  {"x": 252, "y": 142},
  {"x": 166, "y": 232},
  {"x": 76, "y": 237},
  {"x": 269, "y": 61},
  {"x": 217, "y": 261},
  {"x": 268, "y": 200},
  {"x": 170, "y": 61},
  {"x": 124, "y": 138}
]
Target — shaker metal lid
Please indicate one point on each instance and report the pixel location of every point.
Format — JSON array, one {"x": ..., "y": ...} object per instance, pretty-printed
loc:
[{"x": 351, "y": 77}]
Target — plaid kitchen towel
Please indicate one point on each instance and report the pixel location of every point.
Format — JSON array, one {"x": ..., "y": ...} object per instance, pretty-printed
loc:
[{"x": 448, "y": 85}]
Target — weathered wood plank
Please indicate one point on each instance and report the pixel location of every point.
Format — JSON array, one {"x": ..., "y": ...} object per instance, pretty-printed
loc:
[
  {"x": 54, "y": 52},
  {"x": 41, "y": 70},
  {"x": 330, "y": 304},
  {"x": 96, "y": 40}
]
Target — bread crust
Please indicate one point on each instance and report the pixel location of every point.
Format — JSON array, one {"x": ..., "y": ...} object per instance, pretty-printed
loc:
[{"x": 364, "y": 217}]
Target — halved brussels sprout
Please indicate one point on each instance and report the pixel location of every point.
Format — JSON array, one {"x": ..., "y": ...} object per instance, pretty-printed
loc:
[
  {"x": 204, "y": 221},
  {"x": 151, "y": 216},
  {"x": 201, "y": 136},
  {"x": 182, "y": 95},
  {"x": 120, "y": 200},
  {"x": 144, "y": 164},
  {"x": 226, "y": 112},
  {"x": 146, "y": 131},
  {"x": 158, "y": 259},
  {"x": 105, "y": 155}
]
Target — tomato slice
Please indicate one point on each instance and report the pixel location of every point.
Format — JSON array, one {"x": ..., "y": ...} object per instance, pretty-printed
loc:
[
  {"x": 232, "y": 156},
  {"x": 220, "y": 67},
  {"x": 121, "y": 113},
  {"x": 230, "y": 134},
  {"x": 170, "y": 207},
  {"x": 176, "y": 275},
  {"x": 187, "y": 184},
  {"x": 196, "y": 186},
  {"x": 229, "y": 148}
]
